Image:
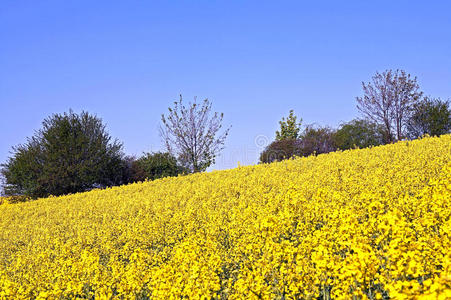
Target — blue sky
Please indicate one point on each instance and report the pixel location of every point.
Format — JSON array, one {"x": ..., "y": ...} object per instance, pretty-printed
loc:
[{"x": 127, "y": 61}]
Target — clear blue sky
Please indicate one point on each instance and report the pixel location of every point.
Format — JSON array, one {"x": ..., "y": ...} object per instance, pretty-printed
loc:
[{"x": 127, "y": 61}]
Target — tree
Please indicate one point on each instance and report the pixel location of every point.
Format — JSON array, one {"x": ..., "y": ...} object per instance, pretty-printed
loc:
[
  {"x": 313, "y": 140},
  {"x": 2, "y": 184},
  {"x": 289, "y": 128},
  {"x": 388, "y": 101},
  {"x": 317, "y": 140},
  {"x": 152, "y": 166},
  {"x": 192, "y": 134},
  {"x": 132, "y": 171},
  {"x": 280, "y": 150},
  {"x": 70, "y": 153},
  {"x": 430, "y": 116},
  {"x": 359, "y": 133}
]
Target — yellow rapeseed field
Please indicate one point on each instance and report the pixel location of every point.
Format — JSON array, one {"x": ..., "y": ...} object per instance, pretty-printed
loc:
[{"x": 371, "y": 223}]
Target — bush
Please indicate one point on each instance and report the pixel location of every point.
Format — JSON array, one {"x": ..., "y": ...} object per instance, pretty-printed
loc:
[
  {"x": 71, "y": 153},
  {"x": 317, "y": 140},
  {"x": 312, "y": 141},
  {"x": 280, "y": 150},
  {"x": 358, "y": 134},
  {"x": 152, "y": 166}
]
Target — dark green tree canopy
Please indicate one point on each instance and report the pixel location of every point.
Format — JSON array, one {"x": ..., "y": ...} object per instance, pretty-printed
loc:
[
  {"x": 155, "y": 165},
  {"x": 70, "y": 153},
  {"x": 430, "y": 116},
  {"x": 289, "y": 128},
  {"x": 359, "y": 133}
]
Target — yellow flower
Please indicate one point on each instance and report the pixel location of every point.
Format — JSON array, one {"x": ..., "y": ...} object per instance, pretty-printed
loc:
[{"x": 365, "y": 223}]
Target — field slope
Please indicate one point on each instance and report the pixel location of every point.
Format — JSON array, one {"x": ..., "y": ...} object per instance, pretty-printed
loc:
[{"x": 373, "y": 223}]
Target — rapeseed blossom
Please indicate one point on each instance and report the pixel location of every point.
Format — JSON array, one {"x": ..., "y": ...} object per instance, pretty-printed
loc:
[{"x": 359, "y": 224}]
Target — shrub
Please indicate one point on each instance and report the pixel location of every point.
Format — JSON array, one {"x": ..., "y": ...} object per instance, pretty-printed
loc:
[
  {"x": 312, "y": 141},
  {"x": 358, "y": 134},
  {"x": 317, "y": 140},
  {"x": 152, "y": 166},
  {"x": 280, "y": 150}
]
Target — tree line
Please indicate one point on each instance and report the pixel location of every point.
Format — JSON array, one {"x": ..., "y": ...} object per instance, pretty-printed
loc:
[
  {"x": 393, "y": 108},
  {"x": 74, "y": 152}
]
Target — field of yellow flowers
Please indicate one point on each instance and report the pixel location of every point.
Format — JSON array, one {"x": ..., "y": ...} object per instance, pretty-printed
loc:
[{"x": 363, "y": 224}]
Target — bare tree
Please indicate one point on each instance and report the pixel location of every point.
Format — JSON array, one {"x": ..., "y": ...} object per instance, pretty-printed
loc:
[
  {"x": 191, "y": 133},
  {"x": 388, "y": 101}
]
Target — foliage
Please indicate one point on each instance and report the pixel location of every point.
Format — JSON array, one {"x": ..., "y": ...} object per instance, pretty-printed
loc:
[
  {"x": 313, "y": 140},
  {"x": 70, "y": 153},
  {"x": 155, "y": 165},
  {"x": 368, "y": 223},
  {"x": 192, "y": 134},
  {"x": 388, "y": 101},
  {"x": 317, "y": 140},
  {"x": 132, "y": 172},
  {"x": 358, "y": 134},
  {"x": 430, "y": 116},
  {"x": 280, "y": 150},
  {"x": 289, "y": 128}
]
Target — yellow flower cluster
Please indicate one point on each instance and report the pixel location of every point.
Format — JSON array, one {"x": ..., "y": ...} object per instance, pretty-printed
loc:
[
  {"x": 359, "y": 224},
  {"x": 12, "y": 199}
]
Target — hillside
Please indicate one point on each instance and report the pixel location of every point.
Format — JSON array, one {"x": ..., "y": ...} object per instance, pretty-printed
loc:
[{"x": 373, "y": 223}]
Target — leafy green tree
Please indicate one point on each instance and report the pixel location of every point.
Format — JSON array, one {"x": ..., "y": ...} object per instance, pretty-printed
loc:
[
  {"x": 289, "y": 128},
  {"x": 70, "y": 153},
  {"x": 358, "y": 134},
  {"x": 155, "y": 165},
  {"x": 430, "y": 116},
  {"x": 192, "y": 134}
]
